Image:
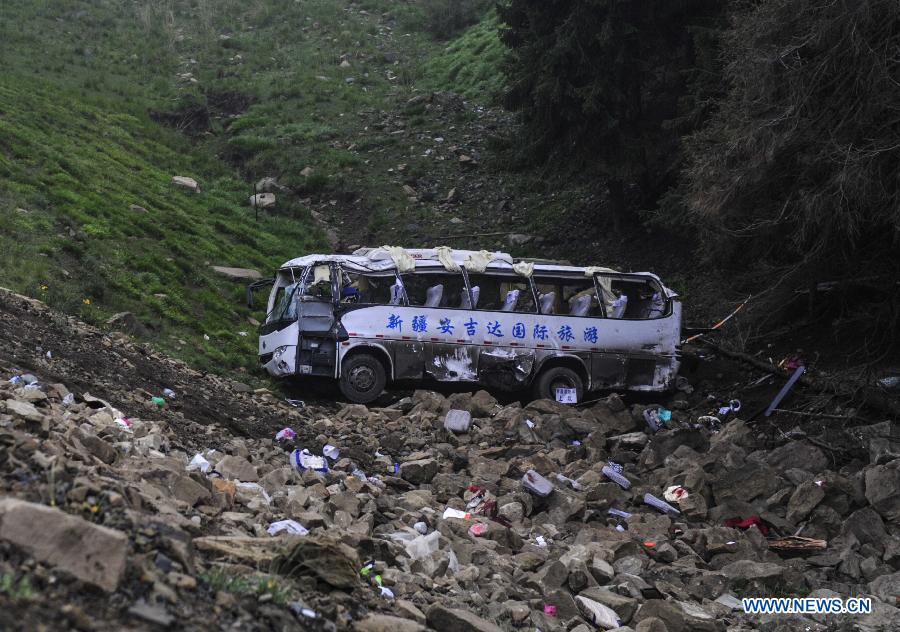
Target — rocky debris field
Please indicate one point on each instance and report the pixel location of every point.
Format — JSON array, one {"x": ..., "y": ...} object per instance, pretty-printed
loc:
[{"x": 117, "y": 513}]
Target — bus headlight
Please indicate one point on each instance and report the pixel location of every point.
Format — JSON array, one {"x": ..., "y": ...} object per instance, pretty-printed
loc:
[{"x": 279, "y": 352}]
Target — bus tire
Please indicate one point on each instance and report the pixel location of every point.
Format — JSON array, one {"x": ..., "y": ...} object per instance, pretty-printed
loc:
[
  {"x": 362, "y": 378},
  {"x": 558, "y": 377}
]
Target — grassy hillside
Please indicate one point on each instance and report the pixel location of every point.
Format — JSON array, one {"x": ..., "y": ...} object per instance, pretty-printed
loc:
[
  {"x": 112, "y": 99},
  {"x": 71, "y": 179},
  {"x": 470, "y": 64}
]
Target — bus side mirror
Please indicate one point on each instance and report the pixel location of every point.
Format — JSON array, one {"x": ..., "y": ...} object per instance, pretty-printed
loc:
[{"x": 257, "y": 285}]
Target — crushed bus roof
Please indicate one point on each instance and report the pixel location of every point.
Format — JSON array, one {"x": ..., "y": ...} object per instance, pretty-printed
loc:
[{"x": 382, "y": 260}]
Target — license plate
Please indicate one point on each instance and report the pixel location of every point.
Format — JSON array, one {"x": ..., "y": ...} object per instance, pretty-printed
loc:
[
  {"x": 305, "y": 369},
  {"x": 567, "y": 396}
]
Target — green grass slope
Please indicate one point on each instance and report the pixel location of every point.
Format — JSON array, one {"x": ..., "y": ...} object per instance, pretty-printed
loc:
[
  {"x": 471, "y": 64},
  {"x": 70, "y": 177}
]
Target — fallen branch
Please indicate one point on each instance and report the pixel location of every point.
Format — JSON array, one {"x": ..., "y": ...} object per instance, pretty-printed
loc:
[{"x": 822, "y": 415}]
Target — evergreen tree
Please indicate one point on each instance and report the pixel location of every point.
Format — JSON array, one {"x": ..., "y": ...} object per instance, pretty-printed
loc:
[{"x": 602, "y": 85}]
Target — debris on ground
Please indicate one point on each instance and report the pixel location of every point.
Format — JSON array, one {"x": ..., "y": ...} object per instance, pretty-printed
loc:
[{"x": 585, "y": 518}]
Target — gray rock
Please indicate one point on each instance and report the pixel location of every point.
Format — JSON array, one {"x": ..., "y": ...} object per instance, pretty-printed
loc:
[
  {"x": 419, "y": 471},
  {"x": 24, "y": 410},
  {"x": 237, "y": 468},
  {"x": 90, "y": 552},
  {"x": 883, "y": 489},
  {"x": 748, "y": 570},
  {"x": 804, "y": 500},
  {"x": 444, "y": 619},
  {"x": 797, "y": 454},
  {"x": 153, "y": 613},
  {"x": 387, "y": 623},
  {"x": 238, "y": 274}
]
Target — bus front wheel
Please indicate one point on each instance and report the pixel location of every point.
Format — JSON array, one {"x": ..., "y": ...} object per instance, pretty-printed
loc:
[
  {"x": 362, "y": 378},
  {"x": 558, "y": 377}
]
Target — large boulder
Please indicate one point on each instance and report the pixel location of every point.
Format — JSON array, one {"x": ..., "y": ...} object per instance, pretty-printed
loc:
[
  {"x": 444, "y": 619},
  {"x": 237, "y": 468},
  {"x": 883, "y": 489},
  {"x": 92, "y": 553}
]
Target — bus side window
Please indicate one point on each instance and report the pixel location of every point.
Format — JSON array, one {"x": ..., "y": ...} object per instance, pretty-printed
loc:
[
  {"x": 570, "y": 297},
  {"x": 638, "y": 299},
  {"x": 502, "y": 293},
  {"x": 434, "y": 289},
  {"x": 366, "y": 289}
]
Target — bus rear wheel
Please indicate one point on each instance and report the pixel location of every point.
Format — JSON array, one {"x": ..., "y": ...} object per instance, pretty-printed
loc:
[
  {"x": 362, "y": 378},
  {"x": 558, "y": 377}
]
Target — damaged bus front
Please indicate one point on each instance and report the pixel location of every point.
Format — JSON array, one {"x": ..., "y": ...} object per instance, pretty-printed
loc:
[{"x": 388, "y": 314}]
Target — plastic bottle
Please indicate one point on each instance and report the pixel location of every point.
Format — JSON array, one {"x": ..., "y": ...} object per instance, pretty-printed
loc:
[
  {"x": 661, "y": 505},
  {"x": 612, "y": 474}
]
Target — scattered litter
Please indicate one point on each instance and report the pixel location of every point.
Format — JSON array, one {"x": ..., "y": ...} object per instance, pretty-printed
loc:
[
  {"x": 612, "y": 471},
  {"x": 537, "y": 484},
  {"x": 458, "y": 421},
  {"x": 331, "y": 452},
  {"x": 478, "y": 529},
  {"x": 168, "y": 392},
  {"x": 423, "y": 545},
  {"x": 576, "y": 442},
  {"x": 49, "y": 355},
  {"x": 796, "y": 544},
  {"x": 124, "y": 422},
  {"x": 571, "y": 482},
  {"x": 733, "y": 406},
  {"x": 891, "y": 383},
  {"x": 746, "y": 523},
  {"x": 656, "y": 418},
  {"x": 421, "y": 527},
  {"x": 291, "y": 526},
  {"x": 713, "y": 423},
  {"x": 784, "y": 390},
  {"x": 541, "y": 541},
  {"x": 68, "y": 400},
  {"x": 601, "y": 616},
  {"x": 300, "y": 610},
  {"x": 549, "y": 610},
  {"x": 286, "y": 434},
  {"x": 199, "y": 463},
  {"x": 159, "y": 401},
  {"x": 242, "y": 333},
  {"x": 618, "y": 512},
  {"x": 450, "y": 512},
  {"x": 791, "y": 362},
  {"x": 28, "y": 378},
  {"x": 620, "y": 528},
  {"x": 296, "y": 403},
  {"x": 529, "y": 423},
  {"x": 675, "y": 493},
  {"x": 358, "y": 473},
  {"x": 661, "y": 505},
  {"x": 305, "y": 460},
  {"x": 386, "y": 592},
  {"x": 650, "y": 544}
]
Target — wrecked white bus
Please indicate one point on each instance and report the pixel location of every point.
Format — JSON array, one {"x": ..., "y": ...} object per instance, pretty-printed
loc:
[{"x": 389, "y": 314}]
